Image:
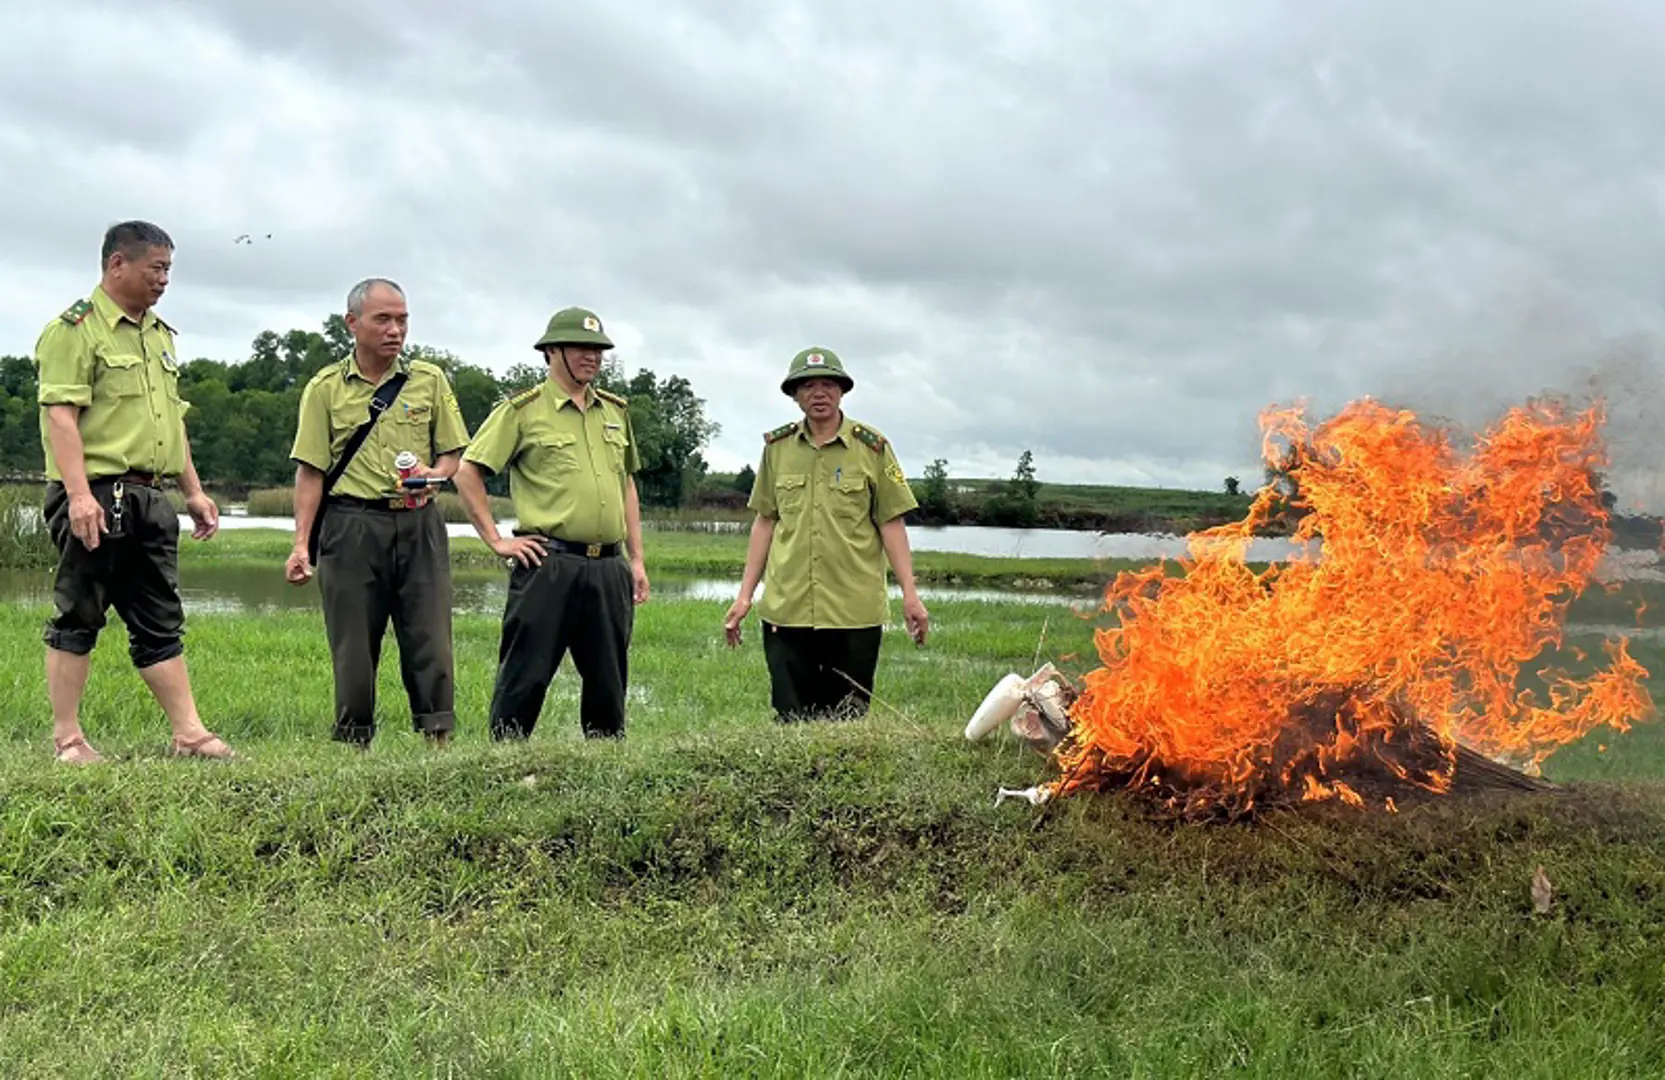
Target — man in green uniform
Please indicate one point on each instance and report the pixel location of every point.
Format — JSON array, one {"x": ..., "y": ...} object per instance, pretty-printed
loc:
[
  {"x": 571, "y": 456},
  {"x": 112, "y": 430},
  {"x": 379, "y": 559},
  {"x": 829, "y": 499}
]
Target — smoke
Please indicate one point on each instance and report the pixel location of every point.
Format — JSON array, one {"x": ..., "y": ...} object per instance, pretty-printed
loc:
[{"x": 1540, "y": 340}]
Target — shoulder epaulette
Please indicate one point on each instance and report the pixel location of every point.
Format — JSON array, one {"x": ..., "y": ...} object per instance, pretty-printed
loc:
[
  {"x": 525, "y": 397},
  {"x": 166, "y": 326},
  {"x": 77, "y": 312},
  {"x": 782, "y": 432},
  {"x": 608, "y": 395},
  {"x": 873, "y": 440}
]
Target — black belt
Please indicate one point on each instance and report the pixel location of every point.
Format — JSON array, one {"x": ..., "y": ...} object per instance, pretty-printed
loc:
[
  {"x": 572, "y": 547},
  {"x": 143, "y": 479},
  {"x": 389, "y": 504}
]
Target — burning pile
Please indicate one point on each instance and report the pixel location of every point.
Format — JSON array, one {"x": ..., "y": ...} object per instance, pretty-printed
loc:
[{"x": 1383, "y": 659}]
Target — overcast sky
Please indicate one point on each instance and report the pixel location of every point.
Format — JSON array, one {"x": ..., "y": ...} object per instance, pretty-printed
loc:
[{"x": 1110, "y": 232}]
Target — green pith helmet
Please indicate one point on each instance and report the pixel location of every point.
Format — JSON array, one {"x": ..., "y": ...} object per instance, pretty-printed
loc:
[
  {"x": 574, "y": 326},
  {"x": 816, "y": 363}
]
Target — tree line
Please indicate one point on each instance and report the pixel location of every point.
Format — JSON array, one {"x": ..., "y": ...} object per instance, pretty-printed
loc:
[{"x": 243, "y": 413}]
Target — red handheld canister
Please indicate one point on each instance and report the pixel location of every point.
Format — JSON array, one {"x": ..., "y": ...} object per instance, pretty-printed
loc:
[{"x": 406, "y": 463}]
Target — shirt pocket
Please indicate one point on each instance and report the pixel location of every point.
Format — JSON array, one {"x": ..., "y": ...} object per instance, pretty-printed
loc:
[
  {"x": 616, "y": 446},
  {"x": 411, "y": 426},
  {"x": 555, "y": 451},
  {"x": 346, "y": 416},
  {"x": 120, "y": 375},
  {"x": 791, "y": 493},
  {"x": 850, "y": 500},
  {"x": 170, "y": 382}
]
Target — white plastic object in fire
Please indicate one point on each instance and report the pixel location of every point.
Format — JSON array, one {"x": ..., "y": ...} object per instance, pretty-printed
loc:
[
  {"x": 999, "y": 706},
  {"x": 1035, "y": 706},
  {"x": 1034, "y": 796}
]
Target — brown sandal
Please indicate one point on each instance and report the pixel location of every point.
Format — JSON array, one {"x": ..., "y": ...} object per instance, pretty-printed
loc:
[
  {"x": 194, "y": 748},
  {"x": 64, "y": 747}
]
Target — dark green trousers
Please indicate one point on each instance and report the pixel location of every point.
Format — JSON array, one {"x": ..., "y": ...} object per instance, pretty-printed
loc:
[
  {"x": 569, "y": 603},
  {"x": 807, "y": 669},
  {"x": 135, "y": 570},
  {"x": 377, "y": 566}
]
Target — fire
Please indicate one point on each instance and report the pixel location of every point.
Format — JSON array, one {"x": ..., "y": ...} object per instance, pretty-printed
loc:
[{"x": 1426, "y": 580}]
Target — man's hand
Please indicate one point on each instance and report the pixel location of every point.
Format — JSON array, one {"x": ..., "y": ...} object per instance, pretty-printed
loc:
[
  {"x": 298, "y": 569},
  {"x": 422, "y": 495},
  {"x": 204, "y": 514},
  {"x": 737, "y": 613},
  {"x": 638, "y": 579},
  {"x": 86, "y": 520},
  {"x": 526, "y": 550},
  {"x": 918, "y": 619}
]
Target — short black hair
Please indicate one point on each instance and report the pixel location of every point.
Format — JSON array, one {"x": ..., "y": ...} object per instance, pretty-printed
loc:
[{"x": 133, "y": 239}]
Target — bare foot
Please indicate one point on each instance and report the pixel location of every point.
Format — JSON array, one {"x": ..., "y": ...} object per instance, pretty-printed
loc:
[{"x": 75, "y": 751}]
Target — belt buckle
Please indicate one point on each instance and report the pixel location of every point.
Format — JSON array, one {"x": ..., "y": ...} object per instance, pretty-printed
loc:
[{"x": 593, "y": 551}]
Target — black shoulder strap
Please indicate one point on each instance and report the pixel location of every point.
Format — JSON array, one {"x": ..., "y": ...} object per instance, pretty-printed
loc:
[
  {"x": 380, "y": 402},
  {"x": 383, "y": 399}
]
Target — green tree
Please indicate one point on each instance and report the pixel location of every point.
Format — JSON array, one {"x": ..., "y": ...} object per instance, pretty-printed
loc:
[
  {"x": 1024, "y": 484},
  {"x": 20, "y": 446},
  {"x": 744, "y": 479},
  {"x": 934, "y": 500},
  {"x": 1232, "y": 485},
  {"x": 1016, "y": 505},
  {"x": 522, "y": 377},
  {"x": 478, "y": 392},
  {"x": 337, "y": 337},
  {"x": 242, "y": 413},
  {"x": 671, "y": 431}
]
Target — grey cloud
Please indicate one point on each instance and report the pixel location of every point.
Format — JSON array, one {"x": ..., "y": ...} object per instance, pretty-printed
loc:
[{"x": 1111, "y": 235}]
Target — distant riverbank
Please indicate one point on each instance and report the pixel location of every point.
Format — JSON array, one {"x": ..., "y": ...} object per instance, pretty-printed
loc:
[{"x": 698, "y": 554}]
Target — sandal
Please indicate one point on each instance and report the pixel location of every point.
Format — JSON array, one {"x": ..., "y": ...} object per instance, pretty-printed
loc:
[
  {"x": 61, "y": 749},
  {"x": 194, "y": 748}
]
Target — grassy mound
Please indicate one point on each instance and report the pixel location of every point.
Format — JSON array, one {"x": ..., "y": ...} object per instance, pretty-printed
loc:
[
  {"x": 719, "y": 896},
  {"x": 816, "y": 902}
]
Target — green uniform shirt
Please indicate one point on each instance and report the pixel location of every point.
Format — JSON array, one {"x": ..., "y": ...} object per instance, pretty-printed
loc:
[
  {"x": 826, "y": 565},
  {"x": 568, "y": 469},
  {"x": 124, "y": 374},
  {"x": 423, "y": 419}
]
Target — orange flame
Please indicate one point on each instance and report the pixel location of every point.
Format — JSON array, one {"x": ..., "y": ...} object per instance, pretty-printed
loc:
[{"x": 1435, "y": 578}]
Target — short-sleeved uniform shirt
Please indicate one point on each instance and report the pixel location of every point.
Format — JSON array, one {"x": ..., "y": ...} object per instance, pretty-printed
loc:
[
  {"x": 826, "y": 565},
  {"x": 424, "y": 419},
  {"x": 568, "y": 468},
  {"x": 124, "y": 375}
]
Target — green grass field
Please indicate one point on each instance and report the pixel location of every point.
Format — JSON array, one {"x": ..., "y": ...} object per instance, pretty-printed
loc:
[
  {"x": 717, "y": 896},
  {"x": 1111, "y": 499},
  {"x": 687, "y": 553}
]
